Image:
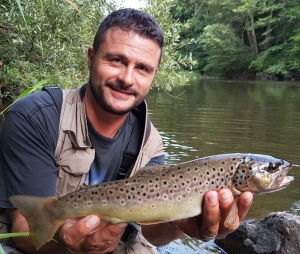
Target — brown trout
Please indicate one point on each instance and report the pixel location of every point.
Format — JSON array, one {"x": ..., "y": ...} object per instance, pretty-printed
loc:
[{"x": 156, "y": 194}]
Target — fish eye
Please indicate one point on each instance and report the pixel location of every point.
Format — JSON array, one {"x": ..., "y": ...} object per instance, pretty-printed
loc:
[{"x": 272, "y": 168}]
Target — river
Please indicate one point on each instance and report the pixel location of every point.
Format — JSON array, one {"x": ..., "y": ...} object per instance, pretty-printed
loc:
[{"x": 216, "y": 116}]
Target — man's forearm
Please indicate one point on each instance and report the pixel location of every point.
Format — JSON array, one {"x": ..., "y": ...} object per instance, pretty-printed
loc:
[{"x": 161, "y": 234}]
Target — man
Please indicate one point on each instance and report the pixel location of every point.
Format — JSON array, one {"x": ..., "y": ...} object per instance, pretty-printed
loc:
[{"x": 45, "y": 152}]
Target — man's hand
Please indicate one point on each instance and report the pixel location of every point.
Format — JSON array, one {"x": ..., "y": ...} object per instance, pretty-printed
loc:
[
  {"x": 216, "y": 207},
  {"x": 84, "y": 236}
]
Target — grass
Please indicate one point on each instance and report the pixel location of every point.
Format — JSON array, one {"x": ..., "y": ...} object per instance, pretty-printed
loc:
[{"x": 8, "y": 235}]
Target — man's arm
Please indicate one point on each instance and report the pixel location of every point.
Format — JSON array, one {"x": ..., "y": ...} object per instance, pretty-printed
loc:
[{"x": 211, "y": 221}]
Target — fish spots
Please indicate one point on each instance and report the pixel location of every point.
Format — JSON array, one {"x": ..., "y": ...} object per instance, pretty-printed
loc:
[
  {"x": 152, "y": 206},
  {"x": 89, "y": 203},
  {"x": 122, "y": 202},
  {"x": 75, "y": 205},
  {"x": 169, "y": 206}
]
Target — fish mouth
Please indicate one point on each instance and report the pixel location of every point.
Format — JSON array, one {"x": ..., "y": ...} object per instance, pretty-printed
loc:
[
  {"x": 286, "y": 181},
  {"x": 280, "y": 178}
]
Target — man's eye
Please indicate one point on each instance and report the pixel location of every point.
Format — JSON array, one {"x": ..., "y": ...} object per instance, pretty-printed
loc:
[
  {"x": 143, "y": 68},
  {"x": 116, "y": 60}
]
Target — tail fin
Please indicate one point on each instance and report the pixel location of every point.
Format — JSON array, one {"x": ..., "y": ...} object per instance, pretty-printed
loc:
[{"x": 37, "y": 212}]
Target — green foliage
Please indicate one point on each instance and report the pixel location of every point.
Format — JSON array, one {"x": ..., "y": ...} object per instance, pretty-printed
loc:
[
  {"x": 269, "y": 28},
  {"x": 43, "y": 39},
  {"x": 173, "y": 60},
  {"x": 226, "y": 52}
]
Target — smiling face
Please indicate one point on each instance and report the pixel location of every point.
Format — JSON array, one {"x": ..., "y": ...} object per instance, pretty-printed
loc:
[{"x": 122, "y": 70}]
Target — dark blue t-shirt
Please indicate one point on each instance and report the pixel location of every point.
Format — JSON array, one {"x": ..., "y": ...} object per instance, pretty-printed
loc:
[{"x": 27, "y": 149}]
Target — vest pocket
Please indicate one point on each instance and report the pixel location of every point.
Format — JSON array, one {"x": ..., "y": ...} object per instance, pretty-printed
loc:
[{"x": 76, "y": 157}]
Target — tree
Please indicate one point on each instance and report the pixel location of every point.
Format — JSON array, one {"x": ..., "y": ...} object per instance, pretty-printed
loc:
[
  {"x": 226, "y": 52},
  {"x": 43, "y": 39}
]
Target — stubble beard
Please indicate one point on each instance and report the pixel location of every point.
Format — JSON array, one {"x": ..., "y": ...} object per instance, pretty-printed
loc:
[{"x": 99, "y": 95}]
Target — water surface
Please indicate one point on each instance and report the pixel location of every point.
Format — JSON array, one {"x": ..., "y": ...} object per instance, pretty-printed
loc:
[{"x": 215, "y": 116}]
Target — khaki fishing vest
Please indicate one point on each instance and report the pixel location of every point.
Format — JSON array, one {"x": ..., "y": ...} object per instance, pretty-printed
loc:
[
  {"x": 74, "y": 154},
  {"x": 74, "y": 157}
]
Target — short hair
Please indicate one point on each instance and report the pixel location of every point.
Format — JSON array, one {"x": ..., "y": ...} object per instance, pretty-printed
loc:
[{"x": 129, "y": 19}]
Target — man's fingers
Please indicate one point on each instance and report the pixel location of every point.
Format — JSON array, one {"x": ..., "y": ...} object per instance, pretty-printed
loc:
[
  {"x": 73, "y": 231},
  {"x": 226, "y": 200},
  {"x": 106, "y": 238},
  {"x": 211, "y": 216},
  {"x": 244, "y": 203}
]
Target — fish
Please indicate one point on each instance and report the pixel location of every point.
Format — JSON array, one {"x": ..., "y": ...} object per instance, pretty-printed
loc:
[{"x": 156, "y": 194}]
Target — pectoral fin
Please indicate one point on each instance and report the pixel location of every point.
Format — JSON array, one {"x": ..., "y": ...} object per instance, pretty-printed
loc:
[{"x": 233, "y": 213}]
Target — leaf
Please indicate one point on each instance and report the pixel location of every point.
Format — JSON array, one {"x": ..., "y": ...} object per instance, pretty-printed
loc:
[
  {"x": 21, "y": 10},
  {"x": 37, "y": 86},
  {"x": 8, "y": 235},
  {"x": 1, "y": 250}
]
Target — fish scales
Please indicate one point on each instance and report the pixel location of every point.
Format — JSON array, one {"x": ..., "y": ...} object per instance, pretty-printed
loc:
[
  {"x": 157, "y": 193},
  {"x": 178, "y": 189}
]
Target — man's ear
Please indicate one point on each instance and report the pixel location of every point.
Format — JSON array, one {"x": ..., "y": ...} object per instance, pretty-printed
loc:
[{"x": 90, "y": 56}]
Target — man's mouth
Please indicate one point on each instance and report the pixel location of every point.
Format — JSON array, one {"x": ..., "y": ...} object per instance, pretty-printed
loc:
[{"x": 118, "y": 88}]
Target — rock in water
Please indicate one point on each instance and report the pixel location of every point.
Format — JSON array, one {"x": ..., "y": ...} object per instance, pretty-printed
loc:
[{"x": 277, "y": 233}]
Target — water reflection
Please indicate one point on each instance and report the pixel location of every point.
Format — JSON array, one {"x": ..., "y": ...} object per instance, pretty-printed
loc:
[
  {"x": 216, "y": 117},
  {"x": 188, "y": 245}
]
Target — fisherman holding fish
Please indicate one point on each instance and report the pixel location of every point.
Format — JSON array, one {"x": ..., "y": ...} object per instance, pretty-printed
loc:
[{"x": 53, "y": 144}]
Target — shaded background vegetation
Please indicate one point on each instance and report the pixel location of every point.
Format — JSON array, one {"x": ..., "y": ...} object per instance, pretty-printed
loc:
[{"x": 235, "y": 36}]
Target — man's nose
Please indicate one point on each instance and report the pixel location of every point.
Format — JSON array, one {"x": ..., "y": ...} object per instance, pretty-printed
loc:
[{"x": 127, "y": 76}]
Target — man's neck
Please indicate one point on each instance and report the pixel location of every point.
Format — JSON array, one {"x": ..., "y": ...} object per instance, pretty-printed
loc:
[{"x": 105, "y": 123}]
